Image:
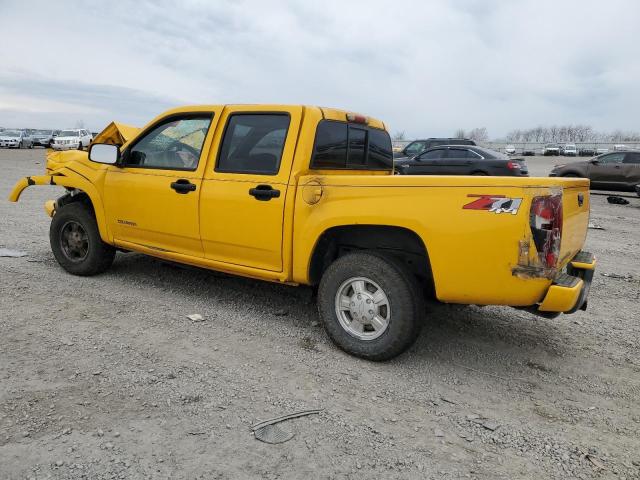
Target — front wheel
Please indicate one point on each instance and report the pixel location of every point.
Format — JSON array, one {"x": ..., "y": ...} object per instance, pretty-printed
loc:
[
  {"x": 76, "y": 243},
  {"x": 370, "y": 305},
  {"x": 20, "y": 146}
]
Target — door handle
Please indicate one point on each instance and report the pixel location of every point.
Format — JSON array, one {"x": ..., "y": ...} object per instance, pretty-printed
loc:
[
  {"x": 183, "y": 186},
  {"x": 264, "y": 193}
]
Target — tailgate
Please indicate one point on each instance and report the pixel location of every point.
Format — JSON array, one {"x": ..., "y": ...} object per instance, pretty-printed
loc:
[{"x": 575, "y": 216}]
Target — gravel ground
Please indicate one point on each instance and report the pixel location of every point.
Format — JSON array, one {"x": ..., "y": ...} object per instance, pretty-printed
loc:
[{"x": 105, "y": 377}]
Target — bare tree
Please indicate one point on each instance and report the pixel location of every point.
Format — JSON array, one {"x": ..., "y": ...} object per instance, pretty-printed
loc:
[
  {"x": 479, "y": 134},
  {"x": 460, "y": 133},
  {"x": 399, "y": 135},
  {"x": 79, "y": 124}
]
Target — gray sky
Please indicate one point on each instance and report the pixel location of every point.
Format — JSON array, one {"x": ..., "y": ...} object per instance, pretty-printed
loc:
[{"x": 425, "y": 67}]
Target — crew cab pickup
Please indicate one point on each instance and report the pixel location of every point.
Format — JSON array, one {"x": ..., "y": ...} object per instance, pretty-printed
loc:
[{"x": 305, "y": 195}]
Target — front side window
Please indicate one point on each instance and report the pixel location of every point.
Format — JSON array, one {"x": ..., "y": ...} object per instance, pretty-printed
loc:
[
  {"x": 612, "y": 158},
  {"x": 173, "y": 145},
  {"x": 253, "y": 143}
]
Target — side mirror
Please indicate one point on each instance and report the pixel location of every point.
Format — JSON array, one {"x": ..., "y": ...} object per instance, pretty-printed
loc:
[{"x": 104, "y": 153}]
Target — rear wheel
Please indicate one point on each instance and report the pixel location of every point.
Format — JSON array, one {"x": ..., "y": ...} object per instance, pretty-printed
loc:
[
  {"x": 370, "y": 305},
  {"x": 570, "y": 175},
  {"x": 479, "y": 174},
  {"x": 76, "y": 243}
]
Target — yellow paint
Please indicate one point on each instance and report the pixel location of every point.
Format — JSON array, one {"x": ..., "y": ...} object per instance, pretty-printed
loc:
[
  {"x": 584, "y": 266},
  {"x": 220, "y": 226},
  {"x": 560, "y": 298}
]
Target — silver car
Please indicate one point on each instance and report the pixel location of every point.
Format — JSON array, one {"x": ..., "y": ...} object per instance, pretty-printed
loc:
[
  {"x": 42, "y": 138},
  {"x": 15, "y": 139}
]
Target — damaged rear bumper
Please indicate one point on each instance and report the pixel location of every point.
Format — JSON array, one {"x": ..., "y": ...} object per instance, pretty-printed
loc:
[{"x": 569, "y": 291}]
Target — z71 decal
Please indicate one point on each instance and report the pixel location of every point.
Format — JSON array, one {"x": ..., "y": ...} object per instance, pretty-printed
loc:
[{"x": 494, "y": 204}]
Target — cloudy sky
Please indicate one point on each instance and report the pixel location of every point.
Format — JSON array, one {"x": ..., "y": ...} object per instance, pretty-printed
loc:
[{"x": 424, "y": 67}]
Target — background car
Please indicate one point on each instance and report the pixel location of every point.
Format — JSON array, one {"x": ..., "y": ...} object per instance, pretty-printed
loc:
[
  {"x": 42, "y": 138},
  {"x": 510, "y": 150},
  {"x": 611, "y": 171},
  {"x": 570, "y": 150},
  {"x": 71, "y": 139},
  {"x": 551, "y": 149},
  {"x": 418, "y": 146},
  {"x": 461, "y": 160},
  {"x": 15, "y": 139},
  {"x": 587, "y": 152}
]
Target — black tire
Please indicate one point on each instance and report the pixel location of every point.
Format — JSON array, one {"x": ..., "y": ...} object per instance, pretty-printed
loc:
[
  {"x": 404, "y": 297},
  {"x": 99, "y": 255},
  {"x": 572, "y": 175},
  {"x": 480, "y": 174},
  {"x": 20, "y": 146}
]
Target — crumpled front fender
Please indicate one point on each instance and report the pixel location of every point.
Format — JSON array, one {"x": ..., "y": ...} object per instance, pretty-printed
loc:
[
  {"x": 71, "y": 181},
  {"x": 25, "y": 182}
]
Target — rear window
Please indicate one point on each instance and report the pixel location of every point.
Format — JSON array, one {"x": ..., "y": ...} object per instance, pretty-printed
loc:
[{"x": 340, "y": 145}]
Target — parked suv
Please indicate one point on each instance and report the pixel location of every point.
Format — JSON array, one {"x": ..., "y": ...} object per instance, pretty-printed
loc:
[
  {"x": 418, "y": 146},
  {"x": 551, "y": 149},
  {"x": 611, "y": 171},
  {"x": 78, "y": 138}
]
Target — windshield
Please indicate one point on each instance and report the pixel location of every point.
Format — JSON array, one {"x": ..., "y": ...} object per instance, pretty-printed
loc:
[
  {"x": 10, "y": 133},
  {"x": 43, "y": 132},
  {"x": 68, "y": 133},
  {"x": 552, "y": 145}
]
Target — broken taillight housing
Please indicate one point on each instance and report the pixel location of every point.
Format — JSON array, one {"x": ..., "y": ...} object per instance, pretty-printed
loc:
[{"x": 546, "y": 228}]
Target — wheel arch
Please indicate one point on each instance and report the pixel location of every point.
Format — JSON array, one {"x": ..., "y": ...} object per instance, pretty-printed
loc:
[{"x": 401, "y": 242}]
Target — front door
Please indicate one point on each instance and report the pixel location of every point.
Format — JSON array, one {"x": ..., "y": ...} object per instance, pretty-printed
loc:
[
  {"x": 608, "y": 170},
  {"x": 243, "y": 197},
  {"x": 151, "y": 199},
  {"x": 429, "y": 162}
]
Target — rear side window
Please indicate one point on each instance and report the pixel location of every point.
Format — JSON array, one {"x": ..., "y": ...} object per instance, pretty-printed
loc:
[
  {"x": 253, "y": 143},
  {"x": 340, "y": 145},
  {"x": 632, "y": 158},
  {"x": 459, "y": 153}
]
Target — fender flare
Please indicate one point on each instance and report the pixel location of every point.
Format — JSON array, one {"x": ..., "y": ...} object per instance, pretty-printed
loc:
[{"x": 77, "y": 181}]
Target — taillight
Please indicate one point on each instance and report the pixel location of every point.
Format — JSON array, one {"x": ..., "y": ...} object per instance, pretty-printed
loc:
[
  {"x": 546, "y": 226},
  {"x": 513, "y": 165}
]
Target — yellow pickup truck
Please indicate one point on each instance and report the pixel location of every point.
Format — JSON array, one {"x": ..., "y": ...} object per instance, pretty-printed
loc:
[{"x": 305, "y": 195}]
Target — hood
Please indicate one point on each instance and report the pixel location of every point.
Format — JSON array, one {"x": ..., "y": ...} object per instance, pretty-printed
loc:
[
  {"x": 68, "y": 138},
  {"x": 116, "y": 134},
  {"x": 2, "y": 137}
]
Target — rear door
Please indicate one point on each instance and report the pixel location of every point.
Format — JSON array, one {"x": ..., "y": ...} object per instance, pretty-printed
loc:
[
  {"x": 245, "y": 189},
  {"x": 631, "y": 168},
  {"x": 458, "y": 161}
]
